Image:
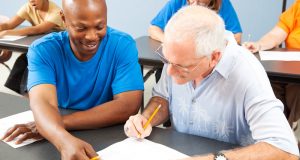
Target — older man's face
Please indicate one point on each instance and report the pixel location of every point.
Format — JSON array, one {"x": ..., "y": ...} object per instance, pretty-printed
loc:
[{"x": 183, "y": 55}]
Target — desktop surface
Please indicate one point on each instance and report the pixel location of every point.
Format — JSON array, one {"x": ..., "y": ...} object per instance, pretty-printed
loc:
[{"x": 100, "y": 138}]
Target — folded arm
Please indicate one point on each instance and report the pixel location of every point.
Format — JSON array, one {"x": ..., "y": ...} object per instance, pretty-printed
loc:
[
  {"x": 11, "y": 23},
  {"x": 156, "y": 33},
  {"x": 32, "y": 30}
]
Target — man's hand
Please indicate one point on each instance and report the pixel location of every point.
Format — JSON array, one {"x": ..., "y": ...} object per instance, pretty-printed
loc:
[
  {"x": 25, "y": 131},
  {"x": 134, "y": 127},
  {"x": 75, "y": 149}
]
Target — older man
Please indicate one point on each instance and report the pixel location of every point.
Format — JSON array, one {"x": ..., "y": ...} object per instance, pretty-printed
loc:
[
  {"x": 214, "y": 88},
  {"x": 89, "y": 67}
]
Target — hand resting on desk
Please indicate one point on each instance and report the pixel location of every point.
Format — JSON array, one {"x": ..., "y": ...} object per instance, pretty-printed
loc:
[
  {"x": 25, "y": 131},
  {"x": 134, "y": 127}
]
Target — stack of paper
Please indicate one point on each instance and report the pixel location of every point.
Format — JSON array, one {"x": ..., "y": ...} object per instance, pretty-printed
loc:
[
  {"x": 11, "y": 38},
  {"x": 132, "y": 149},
  {"x": 279, "y": 56},
  {"x": 8, "y": 122}
]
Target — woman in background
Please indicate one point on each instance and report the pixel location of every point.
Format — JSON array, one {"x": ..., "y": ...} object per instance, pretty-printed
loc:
[{"x": 44, "y": 17}]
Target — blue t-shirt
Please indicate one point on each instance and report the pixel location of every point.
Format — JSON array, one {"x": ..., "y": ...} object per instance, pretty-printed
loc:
[
  {"x": 82, "y": 85},
  {"x": 226, "y": 11}
]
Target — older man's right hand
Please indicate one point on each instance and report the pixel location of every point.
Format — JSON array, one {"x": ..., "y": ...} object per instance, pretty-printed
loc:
[
  {"x": 25, "y": 131},
  {"x": 134, "y": 127}
]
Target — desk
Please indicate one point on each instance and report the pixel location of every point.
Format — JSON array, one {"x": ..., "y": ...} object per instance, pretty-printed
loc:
[
  {"x": 20, "y": 45},
  {"x": 99, "y": 138},
  {"x": 283, "y": 71}
]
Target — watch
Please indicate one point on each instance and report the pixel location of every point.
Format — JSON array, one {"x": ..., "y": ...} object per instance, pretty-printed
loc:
[{"x": 219, "y": 156}]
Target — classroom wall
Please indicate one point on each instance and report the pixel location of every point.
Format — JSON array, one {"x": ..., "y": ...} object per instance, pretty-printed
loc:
[{"x": 133, "y": 16}]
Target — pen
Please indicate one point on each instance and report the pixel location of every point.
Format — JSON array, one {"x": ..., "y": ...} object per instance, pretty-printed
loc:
[
  {"x": 249, "y": 38},
  {"x": 151, "y": 117},
  {"x": 95, "y": 158}
]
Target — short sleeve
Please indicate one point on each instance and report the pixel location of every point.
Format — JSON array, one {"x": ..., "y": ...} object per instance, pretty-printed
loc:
[
  {"x": 54, "y": 15},
  {"x": 230, "y": 17},
  {"x": 128, "y": 76},
  {"x": 40, "y": 68},
  {"x": 55, "y": 18},
  {"x": 161, "y": 89},
  {"x": 287, "y": 18},
  {"x": 23, "y": 11},
  {"x": 165, "y": 14}
]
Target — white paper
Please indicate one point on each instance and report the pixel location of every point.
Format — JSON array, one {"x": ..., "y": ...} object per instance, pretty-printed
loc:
[
  {"x": 133, "y": 149},
  {"x": 11, "y": 38},
  {"x": 8, "y": 122},
  {"x": 279, "y": 56}
]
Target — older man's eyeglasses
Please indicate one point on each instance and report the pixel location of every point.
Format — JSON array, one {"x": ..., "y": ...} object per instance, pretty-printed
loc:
[{"x": 178, "y": 67}]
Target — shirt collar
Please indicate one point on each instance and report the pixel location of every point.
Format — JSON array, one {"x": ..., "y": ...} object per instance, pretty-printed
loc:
[{"x": 227, "y": 60}]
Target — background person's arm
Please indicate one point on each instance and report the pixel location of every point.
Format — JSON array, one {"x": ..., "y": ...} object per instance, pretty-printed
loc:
[
  {"x": 32, "y": 30},
  {"x": 44, "y": 105},
  {"x": 113, "y": 112},
  {"x": 238, "y": 37},
  {"x": 156, "y": 33},
  {"x": 11, "y": 23},
  {"x": 272, "y": 39}
]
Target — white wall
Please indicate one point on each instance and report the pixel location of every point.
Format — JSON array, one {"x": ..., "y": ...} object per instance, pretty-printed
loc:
[{"x": 133, "y": 16}]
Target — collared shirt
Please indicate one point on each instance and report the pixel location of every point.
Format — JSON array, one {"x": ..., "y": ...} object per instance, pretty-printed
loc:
[{"x": 234, "y": 104}]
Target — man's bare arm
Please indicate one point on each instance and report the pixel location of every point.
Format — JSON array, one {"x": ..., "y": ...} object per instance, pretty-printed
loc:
[
  {"x": 256, "y": 151},
  {"x": 116, "y": 111}
]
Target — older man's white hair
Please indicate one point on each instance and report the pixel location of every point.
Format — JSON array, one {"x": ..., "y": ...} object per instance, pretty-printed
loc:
[{"x": 199, "y": 23}]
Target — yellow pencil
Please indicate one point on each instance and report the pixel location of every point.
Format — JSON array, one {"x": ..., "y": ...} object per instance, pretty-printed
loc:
[
  {"x": 95, "y": 158},
  {"x": 151, "y": 117}
]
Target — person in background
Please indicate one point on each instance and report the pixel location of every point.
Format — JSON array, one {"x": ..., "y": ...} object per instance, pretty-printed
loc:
[
  {"x": 223, "y": 7},
  {"x": 44, "y": 16},
  {"x": 211, "y": 87},
  {"x": 287, "y": 30},
  {"x": 4, "y": 54},
  {"x": 91, "y": 68}
]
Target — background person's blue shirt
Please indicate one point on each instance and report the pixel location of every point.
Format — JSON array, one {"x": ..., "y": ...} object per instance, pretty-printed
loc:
[
  {"x": 81, "y": 85},
  {"x": 226, "y": 11}
]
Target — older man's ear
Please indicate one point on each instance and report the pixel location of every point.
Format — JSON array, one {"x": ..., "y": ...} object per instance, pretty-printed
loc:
[{"x": 215, "y": 58}]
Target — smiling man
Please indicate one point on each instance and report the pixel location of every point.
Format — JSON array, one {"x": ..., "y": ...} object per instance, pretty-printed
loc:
[
  {"x": 214, "y": 88},
  {"x": 90, "y": 67}
]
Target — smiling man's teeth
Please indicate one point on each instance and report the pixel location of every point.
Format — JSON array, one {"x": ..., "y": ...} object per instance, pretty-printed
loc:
[{"x": 91, "y": 45}]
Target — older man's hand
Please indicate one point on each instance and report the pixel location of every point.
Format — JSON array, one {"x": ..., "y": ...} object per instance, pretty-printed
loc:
[{"x": 134, "y": 127}]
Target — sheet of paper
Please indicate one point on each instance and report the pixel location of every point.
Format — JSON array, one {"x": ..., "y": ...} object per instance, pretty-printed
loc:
[
  {"x": 132, "y": 149},
  {"x": 8, "y": 122},
  {"x": 11, "y": 38},
  {"x": 279, "y": 56}
]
